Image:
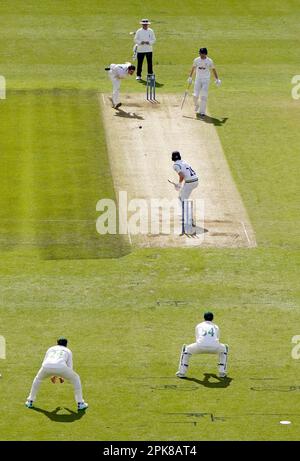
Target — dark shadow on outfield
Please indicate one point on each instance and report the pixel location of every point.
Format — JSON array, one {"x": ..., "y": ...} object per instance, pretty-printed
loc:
[
  {"x": 214, "y": 121},
  {"x": 207, "y": 119},
  {"x": 61, "y": 418},
  {"x": 122, "y": 113},
  {"x": 220, "y": 383}
]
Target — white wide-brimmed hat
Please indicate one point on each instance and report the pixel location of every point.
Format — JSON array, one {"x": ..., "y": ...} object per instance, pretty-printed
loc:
[{"x": 145, "y": 21}]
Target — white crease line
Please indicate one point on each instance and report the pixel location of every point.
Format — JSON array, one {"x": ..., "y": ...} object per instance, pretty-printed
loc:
[
  {"x": 246, "y": 233},
  {"x": 129, "y": 237}
]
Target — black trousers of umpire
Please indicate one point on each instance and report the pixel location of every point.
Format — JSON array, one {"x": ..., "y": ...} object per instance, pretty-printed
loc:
[{"x": 140, "y": 59}]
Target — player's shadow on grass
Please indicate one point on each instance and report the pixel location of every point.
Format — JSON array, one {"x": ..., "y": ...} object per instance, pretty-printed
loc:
[
  {"x": 123, "y": 113},
  {"x": 220, "y": 383},
  {"x": 208, "y": 119},
  {"x": 61, "y": 418},
  {"x": 214, "y": 121}
]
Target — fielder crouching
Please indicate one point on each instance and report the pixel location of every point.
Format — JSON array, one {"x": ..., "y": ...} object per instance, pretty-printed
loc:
[
  {"x": 207, "y": 342},
  {"x": 58, "y": 361}
]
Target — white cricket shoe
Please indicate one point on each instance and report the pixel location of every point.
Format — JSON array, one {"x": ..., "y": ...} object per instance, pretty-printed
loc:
[
  {"x": 222, "y": 375},
  {"x": 180, "y": 375},
  {"x": 138, "y": 78},
  {"x": 82, "y": 406},
  {"x": 29, "y": 403}
]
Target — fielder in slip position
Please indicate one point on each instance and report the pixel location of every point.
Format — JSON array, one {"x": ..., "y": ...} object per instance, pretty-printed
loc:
[
  {"x": 116, "y": 73},
  {"x": 207, "y": 342},
  {"x": 58, "y": 364},
  {"x": 202, "y": 65}
]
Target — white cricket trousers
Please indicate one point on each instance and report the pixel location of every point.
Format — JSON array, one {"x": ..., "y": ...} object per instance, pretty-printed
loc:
[
  {"x": 116, "y": 83},
  {"x": 201, "y": 86},
  {"x": 198, "y": 348},
  {"x": 64, "y": 372},
  {"x": 184, "y": 194},
  {"x": 187, "y": 189}
]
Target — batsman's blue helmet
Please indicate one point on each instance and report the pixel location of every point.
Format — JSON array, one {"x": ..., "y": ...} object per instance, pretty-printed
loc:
[{"x": 176, "y": 155}]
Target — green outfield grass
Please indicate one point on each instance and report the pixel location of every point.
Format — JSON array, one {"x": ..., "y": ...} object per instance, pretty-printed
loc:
[{"x": 126, "y": 311}]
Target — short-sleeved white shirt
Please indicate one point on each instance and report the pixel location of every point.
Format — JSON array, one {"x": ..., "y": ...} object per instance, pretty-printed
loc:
[
  {"x": 203, "y": 67},
  {"x": 182, "y": 167},
  {"x": 207, "y": 333},
  {"x": 58, "y": 356},
  {"x": 120, "y": 70}
]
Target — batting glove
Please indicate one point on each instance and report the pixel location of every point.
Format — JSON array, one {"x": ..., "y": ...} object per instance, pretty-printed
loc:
[
  {"x": 189, "y": 80},
  {"x": 218, "y": 82}
]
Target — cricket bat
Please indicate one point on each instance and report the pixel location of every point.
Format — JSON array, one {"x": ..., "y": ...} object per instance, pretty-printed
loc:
[{"x": 185, "y": 95}]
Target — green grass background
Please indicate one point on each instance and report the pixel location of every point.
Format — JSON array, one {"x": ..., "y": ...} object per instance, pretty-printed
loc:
[{"x": 127, "y": 311}]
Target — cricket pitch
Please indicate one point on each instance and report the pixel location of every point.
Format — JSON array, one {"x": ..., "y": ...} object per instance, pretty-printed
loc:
[{"x": 140, "y": 138}]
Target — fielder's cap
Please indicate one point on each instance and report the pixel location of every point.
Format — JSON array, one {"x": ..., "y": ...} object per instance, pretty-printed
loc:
[
  {"x": 145, "y": 21},
  {"x": 208, "y": 316},
  {"x": 62, "y": 341},
  {"x": 203, "y": 50}
]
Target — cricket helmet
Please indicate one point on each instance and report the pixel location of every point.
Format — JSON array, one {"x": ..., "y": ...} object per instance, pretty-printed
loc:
[
  {"x": 208, "y": 316},
  {"x": 176, "y": 155}
]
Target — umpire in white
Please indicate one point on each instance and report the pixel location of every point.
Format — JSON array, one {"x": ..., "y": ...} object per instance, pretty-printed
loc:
[
  {"x": 144, "y": 39},
  {"x": 207, "y": 342}
]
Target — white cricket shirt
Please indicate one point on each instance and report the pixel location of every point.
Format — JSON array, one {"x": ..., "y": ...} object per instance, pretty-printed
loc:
[
  {"x": 203, "y": 67},
  {"x": 207, "y": 333},
  {"x": 143, "y": 35},
  {"x": 120, "y": 70},
  {"x": 182, "y": 167},
  {"x": 58, "y": 356}
]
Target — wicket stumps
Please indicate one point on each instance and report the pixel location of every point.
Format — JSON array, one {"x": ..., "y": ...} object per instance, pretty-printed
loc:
[
  {"x": 188, "y": 218},
  {"x": 151, "y": 87}
]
